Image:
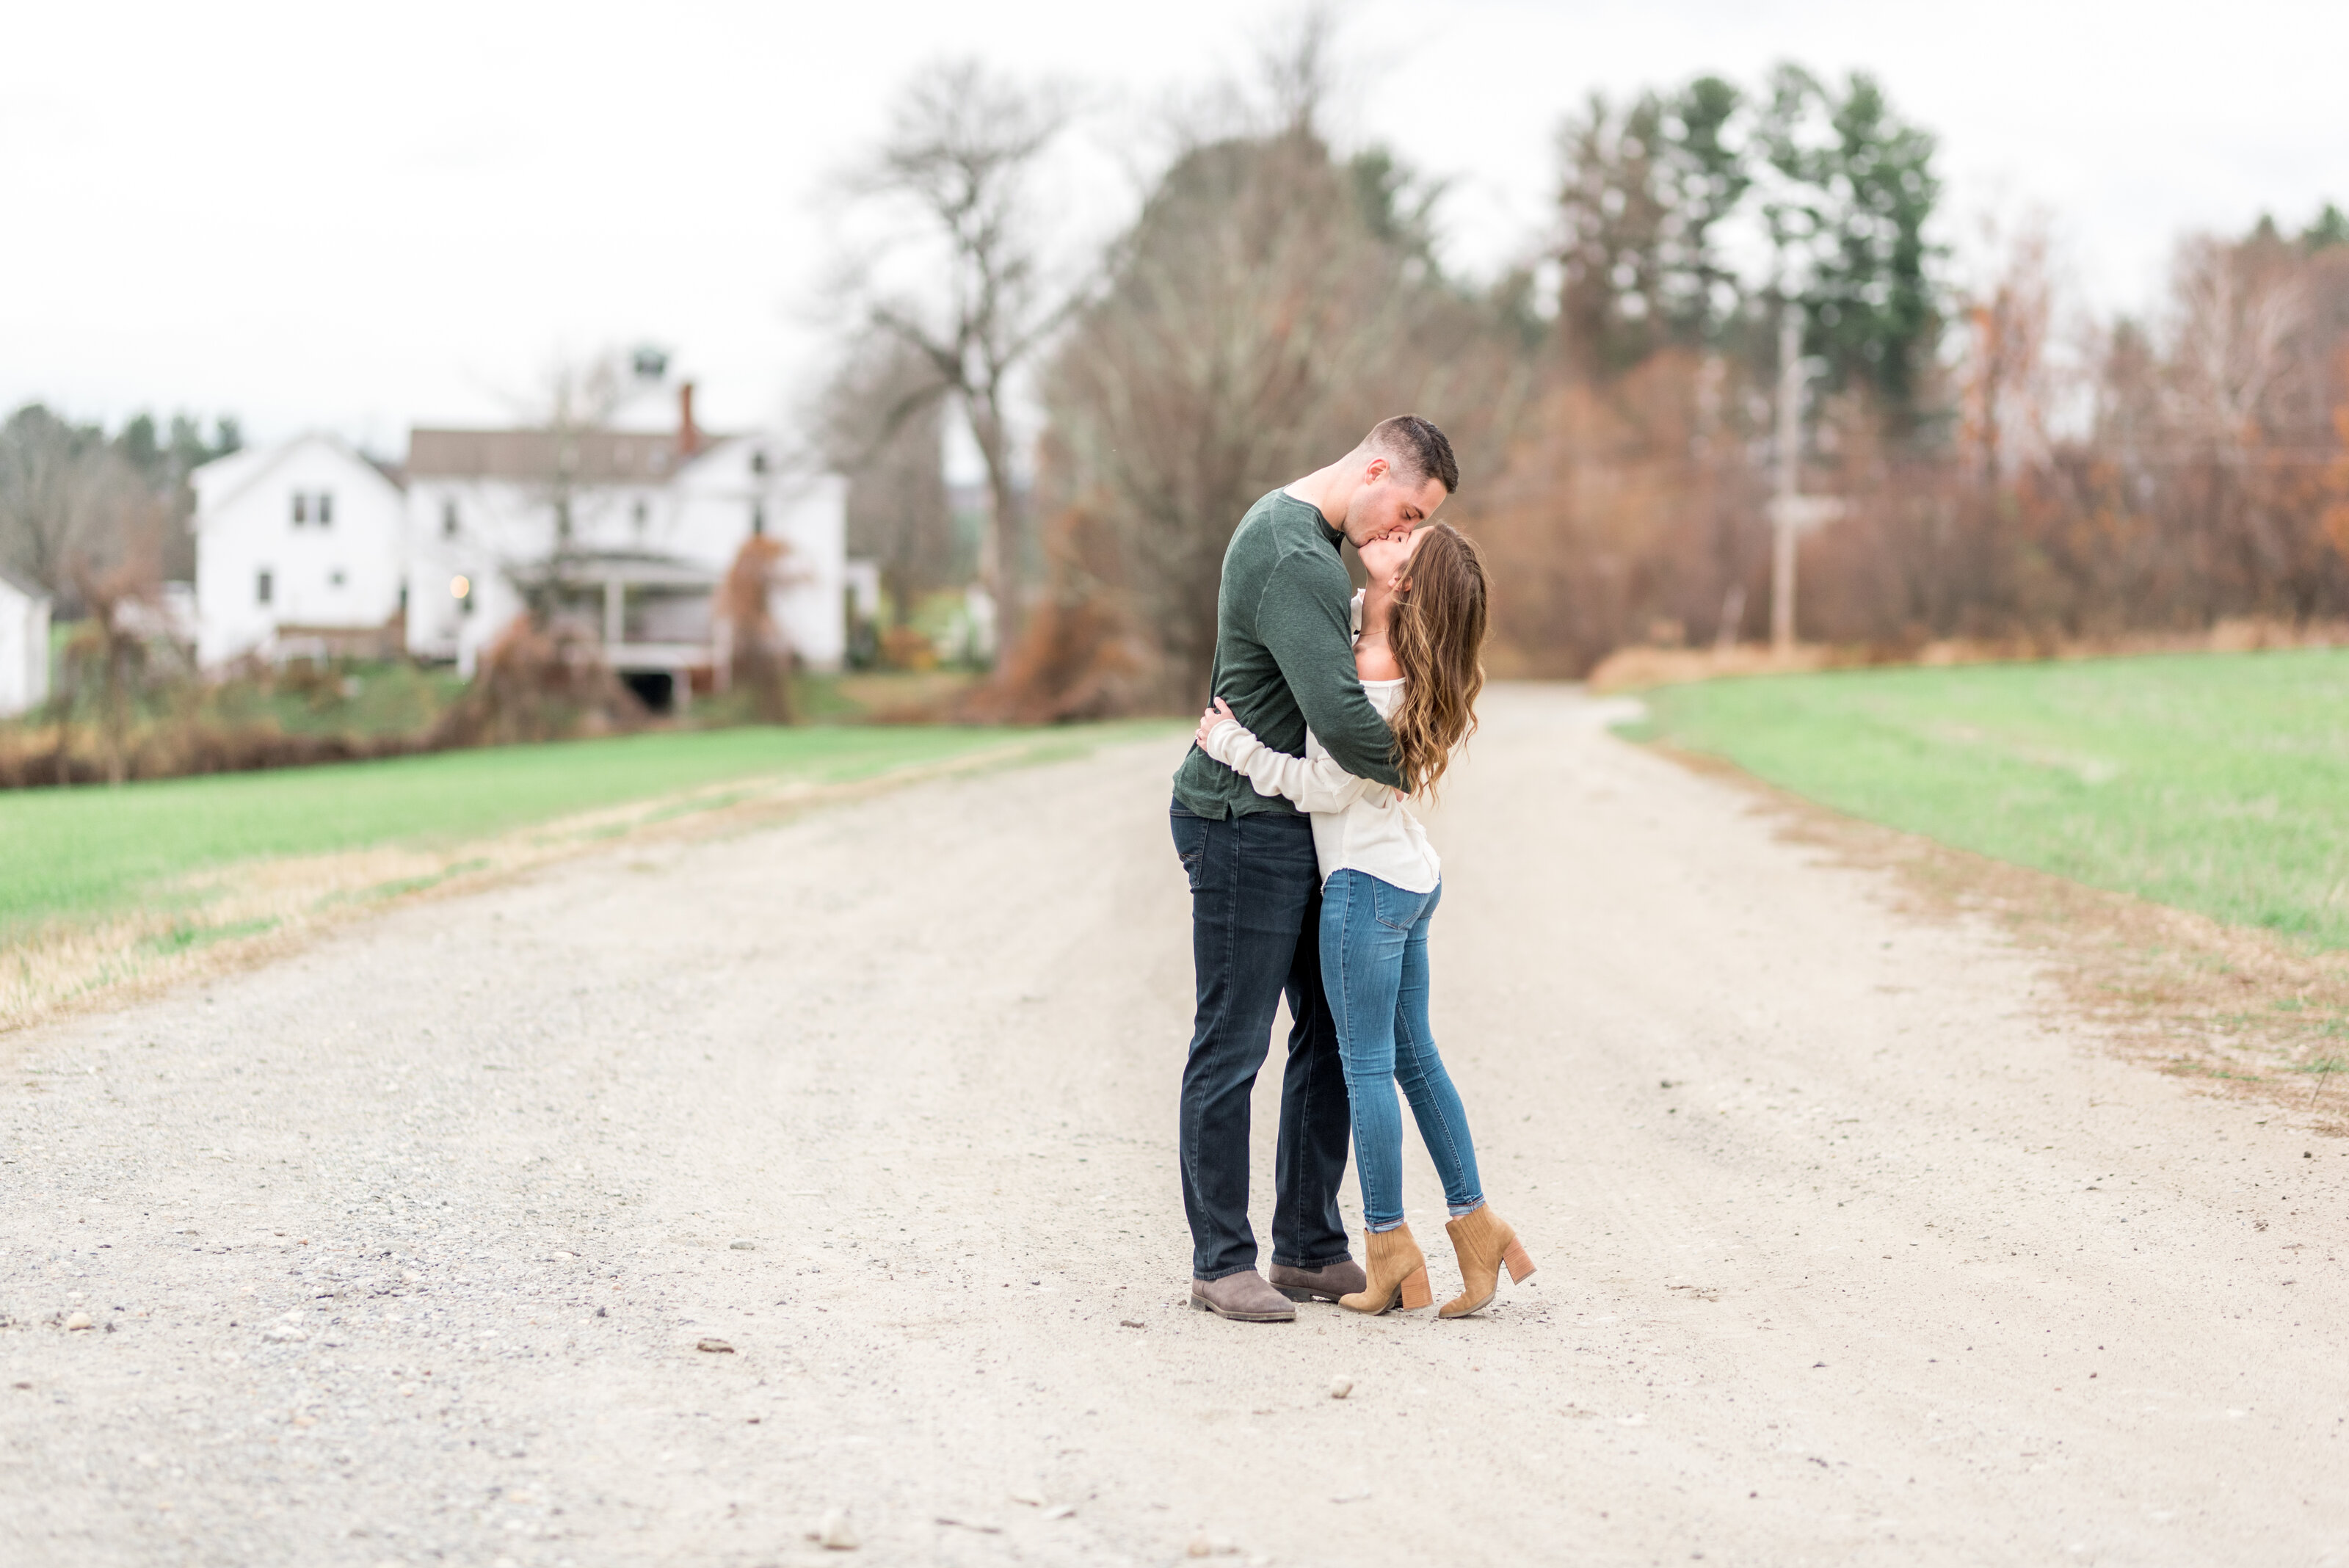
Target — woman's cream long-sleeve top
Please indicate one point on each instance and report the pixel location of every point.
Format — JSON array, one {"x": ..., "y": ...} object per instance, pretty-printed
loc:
[{"x": 1357, "y": 824}]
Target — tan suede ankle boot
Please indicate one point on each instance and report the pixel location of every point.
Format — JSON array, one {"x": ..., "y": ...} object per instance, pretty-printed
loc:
[
  {"x": 1398, "y": 1274},
  {"x": 1484, "y": 1242}
]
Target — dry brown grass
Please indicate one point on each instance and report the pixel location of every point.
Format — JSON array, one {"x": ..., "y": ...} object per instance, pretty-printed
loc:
[
  {"x": 1640, "y": 668},
  {"x": 908, "y": 697},
  {"x": 235, "y": 917},
  {"x": 2245, "y": 1014}
]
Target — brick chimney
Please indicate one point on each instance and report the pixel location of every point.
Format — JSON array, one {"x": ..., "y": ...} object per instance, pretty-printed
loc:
[{"x": 689, "y": 435}]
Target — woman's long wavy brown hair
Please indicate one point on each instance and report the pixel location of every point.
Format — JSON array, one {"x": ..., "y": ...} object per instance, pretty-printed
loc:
[{"x": 1436, "y": 630}]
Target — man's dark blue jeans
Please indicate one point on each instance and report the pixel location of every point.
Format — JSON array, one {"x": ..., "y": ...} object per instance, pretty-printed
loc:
[{"x": 1256, "y": 921}]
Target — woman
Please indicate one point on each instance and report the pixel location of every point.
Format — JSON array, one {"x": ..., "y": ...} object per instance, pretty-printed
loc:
[{"x": 1420, "y": 626}]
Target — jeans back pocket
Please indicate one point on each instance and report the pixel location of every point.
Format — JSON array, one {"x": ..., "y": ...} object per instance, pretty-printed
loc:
[
  {"x": 1190, "y": 845},
  {"x": 1397, "y": 909}
]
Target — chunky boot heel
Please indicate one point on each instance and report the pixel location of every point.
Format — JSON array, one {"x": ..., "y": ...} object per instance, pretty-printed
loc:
[
  {"x": 1397, "y": 1274},
  {"x": 1415, "y": 1291},
  {"x": 1483, "y": 1241}
]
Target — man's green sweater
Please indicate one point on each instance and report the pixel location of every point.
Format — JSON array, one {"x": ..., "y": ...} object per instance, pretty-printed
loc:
[{"x": 1285, "y": 659}]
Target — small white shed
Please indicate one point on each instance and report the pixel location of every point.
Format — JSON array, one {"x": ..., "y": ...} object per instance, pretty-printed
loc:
[{"x": 24, "y": 646}]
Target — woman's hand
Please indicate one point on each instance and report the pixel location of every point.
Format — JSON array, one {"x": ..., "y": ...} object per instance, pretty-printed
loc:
[{"x": 1220, "y": 714}]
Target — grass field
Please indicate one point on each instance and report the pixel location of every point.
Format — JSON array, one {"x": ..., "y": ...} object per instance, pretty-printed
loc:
[
  {"x": 2218, "y": 782},
  {"x": 87, "y": 851}
]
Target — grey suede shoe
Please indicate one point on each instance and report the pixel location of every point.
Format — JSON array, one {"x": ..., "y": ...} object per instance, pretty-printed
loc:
[
  {"x": 1242, "y": 1297},
  {"x": 1326, "y": 1283}
]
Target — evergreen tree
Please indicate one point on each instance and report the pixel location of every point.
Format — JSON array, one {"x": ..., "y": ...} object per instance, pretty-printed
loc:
[
  {"x": 1644, "y": 190},
  {"x": 1853, "y": 190},
  {"x": 2330, "y": 228}
]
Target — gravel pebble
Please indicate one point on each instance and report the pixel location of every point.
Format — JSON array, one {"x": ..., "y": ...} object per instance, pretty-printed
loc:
[{"x": 836, "y": 1534}]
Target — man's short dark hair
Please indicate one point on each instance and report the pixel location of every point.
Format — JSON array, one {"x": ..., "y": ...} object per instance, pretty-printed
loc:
[{"x": 1417, "y": 448}]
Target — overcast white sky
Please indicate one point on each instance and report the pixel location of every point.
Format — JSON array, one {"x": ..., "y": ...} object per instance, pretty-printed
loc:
[{"x": 360, "y": 216}]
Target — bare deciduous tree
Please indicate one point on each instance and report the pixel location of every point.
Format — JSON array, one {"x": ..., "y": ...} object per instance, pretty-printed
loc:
[
  {"x": 2006, "y": 380},
  {"x": 119, "y": 599},
  {"x": 961, "y": 153},
  {"x": 573, "y": 412},
  {"x": 66, "y": 497},
  {"x": 78, "y": 516},
  {"x": 881, "y": 426},
  {"x": 2234, "y": 325},
  {"x": 1255, "y": 323}
]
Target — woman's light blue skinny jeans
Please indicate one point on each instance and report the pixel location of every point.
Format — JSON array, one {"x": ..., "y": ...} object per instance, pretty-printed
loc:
[{"x": 1374, "y": 971}]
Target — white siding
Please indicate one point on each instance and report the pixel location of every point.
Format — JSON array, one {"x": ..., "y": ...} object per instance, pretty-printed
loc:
[
  {"x": 24, "y": 649},
  {"x": 721, "y": 495},
  {"x": 381, "y": 539},
  {"x": 813, "y": 605},
  {"x": 500, "y": 526},
  {"x": 345, "y": 571}
]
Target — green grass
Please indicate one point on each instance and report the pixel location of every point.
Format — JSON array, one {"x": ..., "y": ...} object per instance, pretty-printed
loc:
[
  {"x": 2218, "y": 782},
  {"x": 77, "y": 852}
]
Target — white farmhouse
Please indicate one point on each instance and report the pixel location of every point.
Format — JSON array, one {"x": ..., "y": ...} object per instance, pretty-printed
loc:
[
  {"x": 299, "y": 549},
  {"x": 24, "y": 646},
  {"x": 629, "y": 530}
]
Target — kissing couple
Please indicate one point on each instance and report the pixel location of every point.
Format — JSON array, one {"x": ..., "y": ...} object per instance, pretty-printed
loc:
[{"x": 1311, "y": 878}]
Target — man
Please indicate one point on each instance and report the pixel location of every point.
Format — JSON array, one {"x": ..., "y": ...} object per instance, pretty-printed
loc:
[{"x": 1284, "y": 661}]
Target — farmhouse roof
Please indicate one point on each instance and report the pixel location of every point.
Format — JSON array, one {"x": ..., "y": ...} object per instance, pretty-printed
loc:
[
  {"x": 224, "y": 479},
  {"x": 231, "y": 470},
  {"x": 589, "y": 457}
]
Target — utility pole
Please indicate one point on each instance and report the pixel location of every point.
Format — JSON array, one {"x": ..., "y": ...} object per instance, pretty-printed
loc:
[
  {"x": 1790, "y": 456},
  {"x": 1790, "y": 513}
]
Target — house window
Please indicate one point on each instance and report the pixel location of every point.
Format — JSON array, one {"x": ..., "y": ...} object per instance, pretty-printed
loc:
[
  {"x": 261, "y": 583},
  {"x": 758, "y": 521},
  {"x": 335, "y": 579},
  {"x": 326, "y": 508},
  {"x": 757, "y": 462},
  {"x": 301, "y": 509},
  {"x": 448, "y": 520},
  {"x": 638, "y": 517}
]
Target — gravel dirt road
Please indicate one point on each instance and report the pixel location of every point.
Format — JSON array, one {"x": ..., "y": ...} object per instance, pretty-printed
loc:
[{"x": 1854, "y": 1249}]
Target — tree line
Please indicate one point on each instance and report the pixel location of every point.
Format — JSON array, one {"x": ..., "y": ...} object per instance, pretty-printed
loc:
[
  {"x": 2009, "y": 466},
  {"x": 80, "y": 508},
  {"x": 100, "y": 524}
]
